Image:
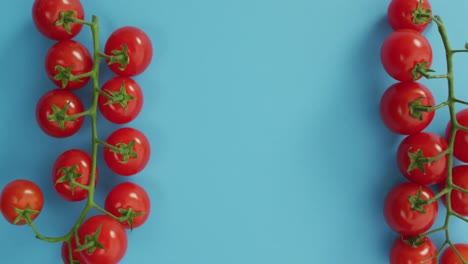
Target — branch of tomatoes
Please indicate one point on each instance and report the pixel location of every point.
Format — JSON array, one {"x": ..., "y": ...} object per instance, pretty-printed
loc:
[
  {"x": 424, "y": 158},
  {"x": 128, "y": 51}
]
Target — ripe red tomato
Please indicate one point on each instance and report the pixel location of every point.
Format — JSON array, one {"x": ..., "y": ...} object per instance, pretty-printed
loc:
[
  {"x": 400, "y": 14},
  {"x": 24, "y": 195},
  {"x": 75, "y": 254},
  {"x": 428, "y": 145},
  {"x": 125, "y": 103},
  {"x": 402, "y": 50},
  {"x": 460, "y": 147},
  {"x": 59, "y": 102},
  {"x": 46, "y": 13},
  {"x": 72, "y": 164},
  {"x": 403, "y": 253},
  {"x": 450, "y": 257},
  {"x": 128, "y": 195},
  {"x": 136, "y": 157},
  {"x": 458, "y": 200},
  {"x": 73, "y": 58},
  {"x": 395, "y": 109},
  {"x": 139, "y": 50},
  {"x": 400, "y": 215},
  {"x": 109, "y": 233}
]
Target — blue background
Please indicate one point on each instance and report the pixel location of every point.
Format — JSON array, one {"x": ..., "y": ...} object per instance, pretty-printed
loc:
[{"x": 263, "y": 118}]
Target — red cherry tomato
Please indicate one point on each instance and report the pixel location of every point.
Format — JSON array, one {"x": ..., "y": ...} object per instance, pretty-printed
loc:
[
  {"x": 24, "y": 195},
  {"x": 450, "y": 257},
  {"x": 75, "y": 254},
  {"x": 68, "y": 54},
  {"x": 139, "y": 50},
  {"x": 109, "y": 233},
  {"x": 56, "y": 101},
  {"x": 73, "y": 165},
  {"x": 402, "y": 50},
  {"x": 404, "y": 253},
  {"x": 460, "y": 148},
  {"x": 137, "y": 156},
  {"x": 123, "y": 102},
  {"x": 428, "y": 145},
  {"x": 128, "y": 195},
  {"x": 458, "y": 200},
  {"x": 400, "y": 14},
  {"x": 395, "y": 107},
  {"x": 46, "y": 13},
  {"x": 400, "y": 215}
]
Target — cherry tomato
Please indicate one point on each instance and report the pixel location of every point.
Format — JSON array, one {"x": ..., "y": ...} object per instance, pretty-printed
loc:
[
  {"x": 77, "y": 258},
  {"x": 458, "y": 200},
  {"x": 24, "y": 195},
  {"x": 450, "y": 257},
  {"x": 460, "y": 147},
  {"x": 46, "y": 13},
  {"x": 403, "y": 253},
  {"x": 123, "y": 102},
  {"x": 400, "y": 14},
  {"x": 72, "y": 58},
  {"x": 400, "y": 215},
  {"x": 135, "y": 158},
  {"x": 50, "y": 110},
  {"x": 112, "y": 236},
  {"x": 139, "y": 50},
  {"x": 423, "y": 145},
  {"x": 128, "y": 195},
  {"x": 72, "y": 166},
  {"x": 402, "y": 50},
  {"x": 395, "y": 107}
]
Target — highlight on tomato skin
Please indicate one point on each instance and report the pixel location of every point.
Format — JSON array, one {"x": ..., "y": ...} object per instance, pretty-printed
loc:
[
  {"x": 21, "y": 194},
  {"x": 400, "y": 14},
  {"x": 402, "y": 252}
]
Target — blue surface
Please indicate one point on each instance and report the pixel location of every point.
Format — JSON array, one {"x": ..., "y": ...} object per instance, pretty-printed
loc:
[{"x": 263, "y": 117}]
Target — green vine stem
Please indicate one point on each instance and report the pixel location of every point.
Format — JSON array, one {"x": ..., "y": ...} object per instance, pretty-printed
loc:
[
  {"x": 92, "y": 113},
  {"x": 450, "y": 103}
]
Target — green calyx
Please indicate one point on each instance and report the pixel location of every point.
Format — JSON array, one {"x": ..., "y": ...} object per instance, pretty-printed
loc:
[
  {"x": 418, "y": 160},
  {"x": 120, "y": 56},
  {"x": 421, "y": 15},
  {"x": 128, "y": 215},
  {"x": 91, "y": 242},
  {"x": 121, "y": 97},
  {"x": 421, "y": 69},
  {"x": 66, "y": 19},
  {"x": 126, "y": 150},
  {"x": 60, "y": 115},
  {"x": 417, "y": 109},
  {"x": 417, "y": 202},
  {"x": 24, "y": 214},
  {"x": 69, "y": 175},
  {"x": 414, "y": 242}
]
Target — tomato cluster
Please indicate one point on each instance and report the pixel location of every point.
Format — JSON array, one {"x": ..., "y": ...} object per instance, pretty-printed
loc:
[
  {"x": 407, "y": 108},
  {"x": 60, "y": 113}
]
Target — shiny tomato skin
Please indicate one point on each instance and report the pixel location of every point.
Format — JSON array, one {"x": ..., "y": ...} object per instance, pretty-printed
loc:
[
  {"x": 112, "y": 237},
  {"x": 431, "y": 145},
  {"x": 399, "y": 215},
  {"x": 115, "y": 161},
  {"x": 402, "y": 50},
  {"x": 82, "y": 160},
  {"x": 458, "y": 200},
  {"x": 46, "y": 12},
  {"x": 460, "y": 147},
  {"x": 140, "y": 50},
  {"x": 450, "y": 257},
  {"x": 76, "y": 255},
  {"x": 403, "y": 253},
  {"x": 129, "y": 195},
  {"x": 400, "y": 14},
  {"x": 115, "y": 112},
  {"x": 68, "y": 53},
  {"x": 20, "y": 194},
  {"x": 395, "y": 109},
  {"x": 59, "y": 98}
]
